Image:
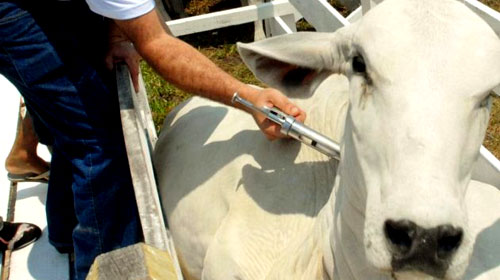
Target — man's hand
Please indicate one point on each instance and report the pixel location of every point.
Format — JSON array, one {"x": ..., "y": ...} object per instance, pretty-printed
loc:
[
  {"x": 124, "y": 51},
  {"x": 273, "y": 98}
]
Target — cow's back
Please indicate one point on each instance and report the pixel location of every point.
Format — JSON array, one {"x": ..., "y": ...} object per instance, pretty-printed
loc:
[{"x": 234, "y": 198}]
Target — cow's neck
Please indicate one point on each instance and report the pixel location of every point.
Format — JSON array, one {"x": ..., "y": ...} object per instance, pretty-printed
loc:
[
  {"x": 345, "y": 217},
  {"x": 338, "y": 232},
  {"x": 341, "y": 224},
  {"x": 341, "y": 220},
  {"x": 326, "y": 109},
  {"x": 335, "y": 247}
]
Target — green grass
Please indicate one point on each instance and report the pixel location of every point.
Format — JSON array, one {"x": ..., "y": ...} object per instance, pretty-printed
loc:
[
  {"x": 492, "y": 139},
  {"x": 163, "y": 96},
  {"x": 220, "y": 47},
  {"x": 495, "y": 4}
]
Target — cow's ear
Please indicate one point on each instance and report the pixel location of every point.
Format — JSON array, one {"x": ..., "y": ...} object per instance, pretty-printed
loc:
[{"x": 297, "y": 63}]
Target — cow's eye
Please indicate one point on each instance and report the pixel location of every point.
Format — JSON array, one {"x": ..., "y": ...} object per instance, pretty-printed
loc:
[{"x": 358, "y": 64}]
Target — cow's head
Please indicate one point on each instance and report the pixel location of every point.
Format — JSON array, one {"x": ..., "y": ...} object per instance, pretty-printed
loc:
[{"x": 420, "y": 76}]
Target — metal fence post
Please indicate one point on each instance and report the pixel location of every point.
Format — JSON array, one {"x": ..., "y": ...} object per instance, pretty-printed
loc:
[{"x": 140, "y": 138}]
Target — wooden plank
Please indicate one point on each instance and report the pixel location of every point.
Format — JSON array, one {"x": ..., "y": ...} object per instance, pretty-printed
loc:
[
  {"x": 9, "y": 110},
  {"x": 11, "y": 210},
  {"x": 140, "y": 136},
  {"x": 489, "y": 15},
  {"x": 487, "y": 168},
  {"x": 138, "y": 261},
  {"x": 355, "y": 15},
  {"x": 367, "y": 5},
  {"x": 30, "y": 207},
  {"x": 281, "y": 25},
  {"x": 7, "y": 255},
  {"x": 259, "y": 32},
  {"x": 320, "y": 14},
  {"x": 231, "y": 17}
]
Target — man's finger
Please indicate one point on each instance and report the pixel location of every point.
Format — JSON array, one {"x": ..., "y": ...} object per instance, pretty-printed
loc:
[
  {"x": 271, "y": 133},
  {"x": 289, "y": 108},
  {"x": 109, "y": 62},
  {"x": 133, "y": 67},
  {"x": 272, "y": 130},
  {"x": 297, "y": 113},
  {"x": 275, "y": 131},
  {"x": 135, "y": 82}
]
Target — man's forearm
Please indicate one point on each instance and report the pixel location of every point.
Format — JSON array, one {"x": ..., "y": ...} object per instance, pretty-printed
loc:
[
  {"x": 185, "y": 67},
  {"x": 180, "y": 63},
  {"x": 115, "y": 34}
]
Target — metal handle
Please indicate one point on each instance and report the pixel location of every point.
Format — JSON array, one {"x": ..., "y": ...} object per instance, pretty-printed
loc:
[{"x": 295, "y": 129}]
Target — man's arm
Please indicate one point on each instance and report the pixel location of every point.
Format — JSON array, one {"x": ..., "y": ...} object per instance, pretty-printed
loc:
[
  {"x": 120, "y": 48},
  {"x": 182, "y": 65}
]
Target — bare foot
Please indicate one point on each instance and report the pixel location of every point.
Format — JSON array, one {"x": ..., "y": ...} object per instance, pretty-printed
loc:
[
  {"x": 23, "y": 163},
  {"x": 23, "y": 157}
]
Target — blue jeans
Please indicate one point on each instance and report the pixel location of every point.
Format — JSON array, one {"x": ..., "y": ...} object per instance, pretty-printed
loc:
[{"x": 55, "y": 64}]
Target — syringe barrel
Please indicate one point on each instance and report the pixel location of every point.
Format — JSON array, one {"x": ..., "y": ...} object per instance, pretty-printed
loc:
[{"x": 314, "y": 139}]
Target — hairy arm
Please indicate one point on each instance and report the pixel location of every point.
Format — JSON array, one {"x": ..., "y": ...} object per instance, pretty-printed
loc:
[
  {"x": 121, "y": 49},
  {"x": 182, "y": 65}
]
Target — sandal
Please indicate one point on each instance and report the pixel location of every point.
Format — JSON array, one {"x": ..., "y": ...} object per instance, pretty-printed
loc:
[
  {"x": 29, "y": 177},
  {"x": 14, "y": 236}
]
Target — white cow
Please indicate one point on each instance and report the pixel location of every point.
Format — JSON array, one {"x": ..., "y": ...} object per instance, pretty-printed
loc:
[{"x": 410, "y": 110}]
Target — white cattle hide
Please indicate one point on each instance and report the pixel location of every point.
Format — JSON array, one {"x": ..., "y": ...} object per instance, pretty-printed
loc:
[{"x": 405, "y": 91}]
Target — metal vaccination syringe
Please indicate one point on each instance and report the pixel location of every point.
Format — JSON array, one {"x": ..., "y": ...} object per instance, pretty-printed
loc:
[{"x": 295, "y": 129}]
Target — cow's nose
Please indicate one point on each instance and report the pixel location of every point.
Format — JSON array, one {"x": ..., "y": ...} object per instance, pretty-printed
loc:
[{"x": 416, "y": 248}]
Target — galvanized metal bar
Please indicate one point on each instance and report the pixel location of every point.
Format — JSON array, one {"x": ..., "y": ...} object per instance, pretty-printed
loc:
[{"x": 140, "y": 137}]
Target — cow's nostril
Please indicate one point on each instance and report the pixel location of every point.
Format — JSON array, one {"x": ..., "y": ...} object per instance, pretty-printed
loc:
[
  {"x": 400, "y": 234},
  {"x": 428, "y": 250},
  {"x": 448, "y": 240}
]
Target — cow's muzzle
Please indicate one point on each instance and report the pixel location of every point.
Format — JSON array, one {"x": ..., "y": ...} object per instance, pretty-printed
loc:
[{"x": 417, "y": 248}]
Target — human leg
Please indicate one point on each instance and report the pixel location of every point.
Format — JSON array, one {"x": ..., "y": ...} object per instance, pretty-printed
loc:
[
  {"x": 23, "y": 162},
  {"x": 82, "y": 115},
  {"x": 61, "y": 217}
]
